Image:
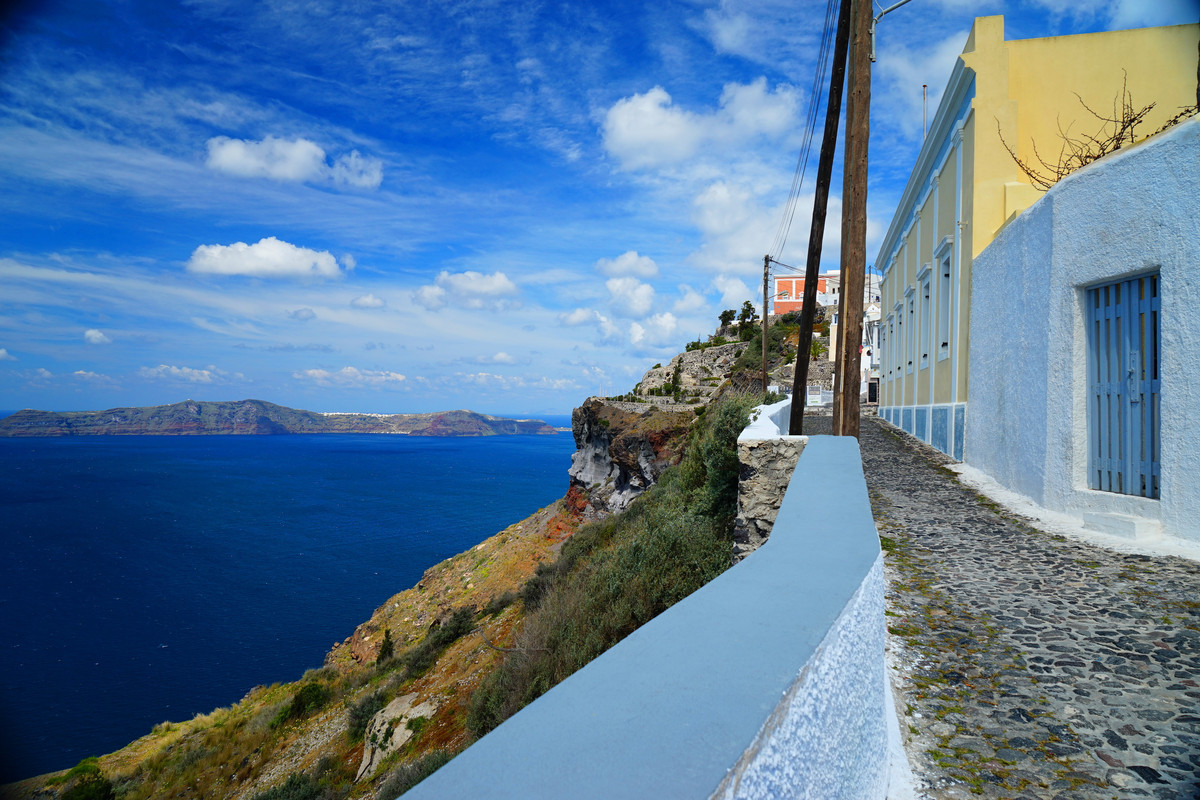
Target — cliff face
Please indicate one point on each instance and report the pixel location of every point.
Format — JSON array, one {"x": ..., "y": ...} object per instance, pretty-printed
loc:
[
  {"x": 255, "y": 417},
  {"x": 620, "y": 452}
]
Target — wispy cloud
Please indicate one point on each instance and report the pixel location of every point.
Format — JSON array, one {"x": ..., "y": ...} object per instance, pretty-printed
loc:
[
  {"x": 181, "y": 374},
  {"x": 94, "y": 336},
  {"x": 350, "y": 377}
]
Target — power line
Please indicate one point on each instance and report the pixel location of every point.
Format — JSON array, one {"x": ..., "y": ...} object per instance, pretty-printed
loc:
[{"x": 789, "y": 211}]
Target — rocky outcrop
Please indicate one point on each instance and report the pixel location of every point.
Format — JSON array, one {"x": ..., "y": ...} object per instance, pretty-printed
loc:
[
  {"x": 390, "y": 729},
  {"x": 764, "y": 469},
  {"x": 620, "y": 453},
  {"x": 701, "y": 372}
]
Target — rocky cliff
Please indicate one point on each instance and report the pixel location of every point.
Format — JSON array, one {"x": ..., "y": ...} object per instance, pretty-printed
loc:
[
  {"x": 256, "y": 417},
  {"x": 620, "y": 452}
]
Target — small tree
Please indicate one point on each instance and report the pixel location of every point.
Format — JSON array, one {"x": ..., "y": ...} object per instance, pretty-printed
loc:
[
  {"x": 727, "y": 317},
  {"x": 387, "y": 648}
]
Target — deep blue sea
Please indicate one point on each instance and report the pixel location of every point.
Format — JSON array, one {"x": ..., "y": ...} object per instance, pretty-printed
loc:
[{"x": 151, "y": 578}]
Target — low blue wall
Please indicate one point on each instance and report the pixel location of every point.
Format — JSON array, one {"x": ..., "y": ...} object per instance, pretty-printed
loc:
[{"x": 767, "y": 682}]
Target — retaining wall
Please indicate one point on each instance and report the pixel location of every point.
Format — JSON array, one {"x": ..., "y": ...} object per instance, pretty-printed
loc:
[{"x": 767, "y": 682}]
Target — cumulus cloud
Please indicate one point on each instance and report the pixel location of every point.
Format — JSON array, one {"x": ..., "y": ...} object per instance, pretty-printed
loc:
[
  {"x": 469, "y": 289},
  {"x": 689, "y": 300},
  {"x": 302, "y": 314},
  {"x": 630, "y": 297},
  {"x": 350, "y": 377},
  {"x": 655, "y": 331},
  {"x": 94, "y": 336},
  {"x": 733, "y": 291},
  {"x": 585, "y": 316},
  {"x": 649, "y": 131},
  {"x": 267, "y": 258},
  {"x": 294, "y": 161},
  {"x": 368, "y": 301},
  {"x": 6, "y": 356},
  {"x": 628, "y": 263},
  {"x": 169, "y": 372}
]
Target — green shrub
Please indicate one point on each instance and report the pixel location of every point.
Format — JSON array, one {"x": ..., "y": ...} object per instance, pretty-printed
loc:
[
  {"x": 308, "y": 698},
  {"x": 499, "y": 603},
  {"x": 406, "y": 776},
  {"x": 614, "y": 575},
  {"x": 90, "y": 786},
  {"x": 298, "y": 786},
  {"x": 360, "y": 714},
  {"x": 420, "y": 658}
]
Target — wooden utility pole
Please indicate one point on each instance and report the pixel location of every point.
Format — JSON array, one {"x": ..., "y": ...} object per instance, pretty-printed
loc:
[
  {"x": 854, "y": 225},
  {"x": 766, "y": 273},
  {"x": 817, "y": 232}
]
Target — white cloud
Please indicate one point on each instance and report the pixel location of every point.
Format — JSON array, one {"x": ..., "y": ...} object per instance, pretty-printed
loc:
[
  {"x": 368, "y": 301},
  {"x": 470, "y": 289},
  {"x": 302, "y": 314},
  {"x": 630, "y": 297},
  {"x": 6, "y": 356},
  {"x": 655, "y": 331},
  {"x": 168, "y": 372},
  {"x": 586, "y": 316},
  {"x": 298, "y": 161},
  {"x": 432, "y": 297},
  {"x": 349, "y": 262},
  {"x": 509, "y": 382},
  {"x": 648, "y": 131},
  {"x": 1140, "y": 14},
  {"x": 628, "y": 263},
  {"x": 733, "y": 291},
  {"x": 94, "y": 377},
  {"x": 268, "y": 258},
  {"x": 93, "y": 336},
  {"x": 277, "y": 159},
  {"x": 498, "y": 358},
  {"x": 350, "y": 377},
  {"x": 689, "y": 300},
  {"x": 899, "y": 78},
  {"x": 354, "y": 169}
]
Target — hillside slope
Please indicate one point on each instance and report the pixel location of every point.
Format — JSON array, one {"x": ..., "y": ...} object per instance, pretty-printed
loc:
[{"x": 256, "y": 417}]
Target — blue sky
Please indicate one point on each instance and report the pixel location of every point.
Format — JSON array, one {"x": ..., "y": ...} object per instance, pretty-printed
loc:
[{"x": 413, "y": 206}]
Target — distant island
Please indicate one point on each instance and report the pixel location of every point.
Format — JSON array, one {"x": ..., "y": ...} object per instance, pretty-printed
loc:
[{"x": 256, "y": 417}]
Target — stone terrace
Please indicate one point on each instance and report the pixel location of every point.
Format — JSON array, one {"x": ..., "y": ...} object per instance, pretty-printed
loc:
[{"x": 1029, "y": 665}]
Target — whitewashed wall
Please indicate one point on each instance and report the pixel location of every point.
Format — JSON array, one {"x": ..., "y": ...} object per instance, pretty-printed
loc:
[{"x": 1135, "y": 211}]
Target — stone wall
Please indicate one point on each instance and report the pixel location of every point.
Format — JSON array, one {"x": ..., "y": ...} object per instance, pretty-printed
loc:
[{"x": 764, "y": 469}]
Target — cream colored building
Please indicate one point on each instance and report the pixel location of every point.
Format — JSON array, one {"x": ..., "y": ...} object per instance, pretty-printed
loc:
[{"x": 966, "y": 186}]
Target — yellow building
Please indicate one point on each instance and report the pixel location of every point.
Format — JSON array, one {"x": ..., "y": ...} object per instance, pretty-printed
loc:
[{"x": 966, "y": 186}]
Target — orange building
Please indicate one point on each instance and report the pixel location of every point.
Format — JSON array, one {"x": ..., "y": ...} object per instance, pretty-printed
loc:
[{"x": 789, "y": 292}]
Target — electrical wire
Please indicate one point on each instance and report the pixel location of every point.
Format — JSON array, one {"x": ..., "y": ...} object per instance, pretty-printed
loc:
[{"x": 789, "y": 211}]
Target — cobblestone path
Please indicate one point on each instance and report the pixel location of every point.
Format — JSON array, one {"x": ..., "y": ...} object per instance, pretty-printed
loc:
[{"x": 1029, "y": 665}]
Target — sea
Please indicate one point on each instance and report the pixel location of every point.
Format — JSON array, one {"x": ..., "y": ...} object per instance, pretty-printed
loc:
[{"x": 153, "y": 578}]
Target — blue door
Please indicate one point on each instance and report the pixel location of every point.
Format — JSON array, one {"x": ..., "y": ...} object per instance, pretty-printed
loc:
[{"x": 1123, "y": 381}]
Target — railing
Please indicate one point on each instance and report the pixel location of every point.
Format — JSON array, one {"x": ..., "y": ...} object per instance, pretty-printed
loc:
[{"x": 767, "y": 682}]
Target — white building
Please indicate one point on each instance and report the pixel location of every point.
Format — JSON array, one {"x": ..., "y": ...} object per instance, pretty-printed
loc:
[{"x": 1085, "y": 344}]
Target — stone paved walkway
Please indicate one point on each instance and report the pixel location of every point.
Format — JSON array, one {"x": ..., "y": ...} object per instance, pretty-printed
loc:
[{"x": 1029, "y": 665}]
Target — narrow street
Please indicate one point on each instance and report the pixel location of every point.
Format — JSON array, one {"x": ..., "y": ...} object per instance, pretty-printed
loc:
[{"x": 1027, "y": 664}]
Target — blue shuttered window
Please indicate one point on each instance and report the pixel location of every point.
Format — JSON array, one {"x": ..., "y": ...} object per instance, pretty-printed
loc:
[{"x": 1123, "y": 384}]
